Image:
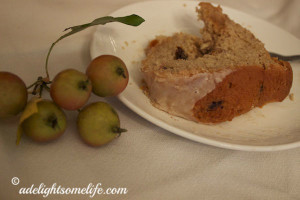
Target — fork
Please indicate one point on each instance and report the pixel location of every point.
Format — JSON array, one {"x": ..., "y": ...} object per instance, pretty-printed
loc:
[{"x": 285, "y": 58}]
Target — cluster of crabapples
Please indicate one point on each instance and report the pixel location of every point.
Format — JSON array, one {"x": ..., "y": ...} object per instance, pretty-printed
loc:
[{"x": 97, "y": 123}]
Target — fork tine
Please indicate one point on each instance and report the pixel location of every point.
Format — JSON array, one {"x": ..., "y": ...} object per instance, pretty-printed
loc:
[{"x": 285, "y": 58}]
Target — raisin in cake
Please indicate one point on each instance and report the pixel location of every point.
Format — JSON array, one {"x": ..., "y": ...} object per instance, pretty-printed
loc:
[{"x": 216, "y": 77}]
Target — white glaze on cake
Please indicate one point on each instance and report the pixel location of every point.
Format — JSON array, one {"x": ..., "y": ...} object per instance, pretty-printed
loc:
[{"x": 178, "y": 95}]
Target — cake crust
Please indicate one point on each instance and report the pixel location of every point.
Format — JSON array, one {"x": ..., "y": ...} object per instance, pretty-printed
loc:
[{"x": 243, "y": 89}]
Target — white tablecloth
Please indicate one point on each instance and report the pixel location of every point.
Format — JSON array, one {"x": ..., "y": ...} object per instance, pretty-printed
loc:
[{"x": 150, "y": 162}]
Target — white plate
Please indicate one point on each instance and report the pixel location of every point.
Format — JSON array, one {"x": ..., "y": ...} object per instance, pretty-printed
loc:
[{"x": 276, "y": 126}]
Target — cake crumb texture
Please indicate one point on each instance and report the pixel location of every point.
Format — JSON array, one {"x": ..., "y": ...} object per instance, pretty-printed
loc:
[{"x": 255, "y": 79}]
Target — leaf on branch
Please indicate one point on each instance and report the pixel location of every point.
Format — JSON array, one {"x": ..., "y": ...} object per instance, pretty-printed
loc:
[{"x": 132, "y": 20}]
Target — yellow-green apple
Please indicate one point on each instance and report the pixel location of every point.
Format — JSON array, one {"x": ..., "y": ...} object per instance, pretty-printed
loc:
[
  {"x": 47, "y": 124},
  {"x": 98, "y": 124},
  {"x": 13, "y": 94},
  {"x": 109, "y": 75},
  {"x": 70, "y": 89}
]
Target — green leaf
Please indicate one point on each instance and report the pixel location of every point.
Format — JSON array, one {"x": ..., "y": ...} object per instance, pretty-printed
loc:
[{"x": 132, "y": 20}]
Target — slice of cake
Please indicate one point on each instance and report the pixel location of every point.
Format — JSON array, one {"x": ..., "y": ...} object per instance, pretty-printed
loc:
[{"x": 216, "y": 77}]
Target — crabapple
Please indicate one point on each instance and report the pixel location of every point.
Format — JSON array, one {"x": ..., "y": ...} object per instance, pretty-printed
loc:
[
  {"x": 98, "y": 124},
  {"x": 70, "y": 89},
  {"x": 109, "y": 75},
  {"x": 47, "y": 124},
  {"x": 13, "y": 94}
]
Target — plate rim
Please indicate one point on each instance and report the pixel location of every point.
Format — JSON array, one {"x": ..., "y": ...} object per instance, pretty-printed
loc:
[
  {"x": 203, "y": 140},
  {"x": 185, "y": 134}
]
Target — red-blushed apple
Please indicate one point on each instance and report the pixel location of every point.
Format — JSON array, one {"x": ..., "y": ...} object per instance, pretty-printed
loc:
[
  {"x": 109, "y": 75},
  {"x": 13, "y": 95},
  {"x": 98, "y": 124},
  {"x": 70, "y": 89},
  {"x": 47, "y": 124}
]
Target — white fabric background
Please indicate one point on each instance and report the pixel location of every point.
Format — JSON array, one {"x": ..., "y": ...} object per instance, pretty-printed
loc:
[{"x": 150, "y": 162}]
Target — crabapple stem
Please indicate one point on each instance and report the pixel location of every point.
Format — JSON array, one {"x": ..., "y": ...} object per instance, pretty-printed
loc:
[
  {"x": 34, "y": 89},
  {"x": 120, "y": 71},
  {"x": 33, "y": 84},
  {"x": 118, "y": 130},
  {"x": 41, "y": 90},
  {"x": 39, "y": 86},
  {"x": 46, "y": 66}
]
